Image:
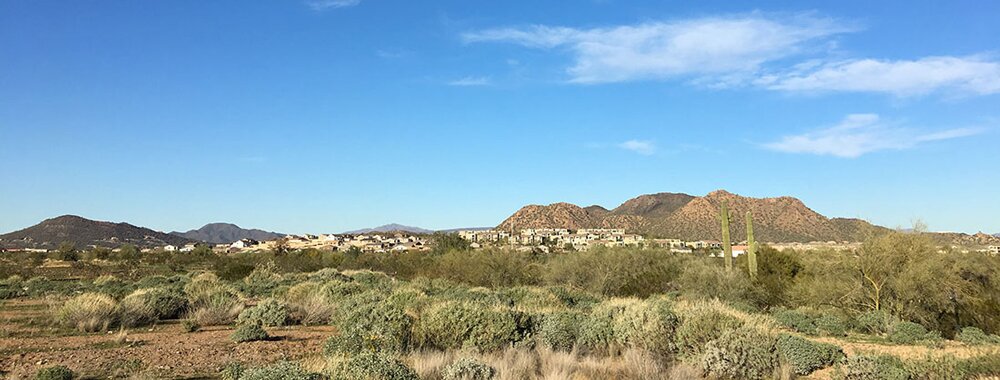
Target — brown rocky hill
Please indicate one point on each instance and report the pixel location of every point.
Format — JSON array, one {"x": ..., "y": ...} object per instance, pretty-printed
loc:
[
  {"x": 85, "y": 232},
  {"x": 781, "y": 219}
]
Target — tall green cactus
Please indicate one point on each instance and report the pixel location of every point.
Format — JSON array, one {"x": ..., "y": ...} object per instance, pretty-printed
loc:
[
  {"x": 726, "y": 244},
  {"x": 751, "y": 248}
]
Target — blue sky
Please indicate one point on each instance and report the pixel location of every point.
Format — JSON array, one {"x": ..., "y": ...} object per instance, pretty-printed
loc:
[{"x": 328, "y": 115}]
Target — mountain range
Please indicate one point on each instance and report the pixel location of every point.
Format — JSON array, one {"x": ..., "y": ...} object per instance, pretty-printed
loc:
[
  {"x": 223, "y": 233},
  {"x": 393, "y": 227},
  {"x": 688, "y": 217},
  {"x": 85, "y": 232}
]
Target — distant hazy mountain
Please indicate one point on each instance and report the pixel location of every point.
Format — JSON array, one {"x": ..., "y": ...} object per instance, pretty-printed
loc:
[
  {"x": 222, "y": 233},
  {"x": 391, "y": 228},
  {"x": 85, "y": 232},
  {"x": 466, "y": 229}
]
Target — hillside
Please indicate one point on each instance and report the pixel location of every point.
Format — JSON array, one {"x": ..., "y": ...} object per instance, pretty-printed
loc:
[
  {"x": 393, "y": 227},
  {"x": 222, "y": 233},
  {"x": 85, "y": 232},
  {"x": 780, "y": 219}
]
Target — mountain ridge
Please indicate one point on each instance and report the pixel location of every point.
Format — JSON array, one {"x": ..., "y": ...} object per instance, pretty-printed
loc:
[
  {"x": 684, "y": 216},
  {"x": 223, "y": 233},
  {"x": 391, "y": 227},
  {"x": 84, "y": 232}
]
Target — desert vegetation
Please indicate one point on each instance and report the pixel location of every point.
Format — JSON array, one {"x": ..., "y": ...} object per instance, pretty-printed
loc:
[{"x": 898, "y": 308}]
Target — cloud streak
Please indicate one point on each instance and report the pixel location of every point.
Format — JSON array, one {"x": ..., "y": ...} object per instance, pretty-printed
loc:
[
  {"x": 321, "y": 5},
  {"x": 643, "y": 147},
  {"x": 902, "y": 78},
  {"x": 471, "y": 81},
  {"x": 661, "y": 50},
  {"x": 859, "y": 134}
]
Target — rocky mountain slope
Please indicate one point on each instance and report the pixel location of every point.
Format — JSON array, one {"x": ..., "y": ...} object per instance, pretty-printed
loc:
[
  {"x": 781, "y": 219},
  {"x": 221, "y": 233},
  {"x": 85, "y": 232}
]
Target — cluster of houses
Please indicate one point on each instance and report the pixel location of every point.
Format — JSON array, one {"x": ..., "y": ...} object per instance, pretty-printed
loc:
[
  {"x": 332, "y": 242},
  {"x": 580, "y": 239}
]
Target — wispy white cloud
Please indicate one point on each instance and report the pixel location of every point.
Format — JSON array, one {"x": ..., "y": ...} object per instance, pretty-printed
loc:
[
  {"x": 643, "y": 147},
  {"x": 903, "y": 78},
  {"x": 660, "y": 50},
  {"x": 859, "y": 134},
  {"x": 320, "y": 5},
  {"x": 471, "y": 81}
]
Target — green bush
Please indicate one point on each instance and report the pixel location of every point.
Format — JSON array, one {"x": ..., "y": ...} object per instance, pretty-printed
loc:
[
  {"x": 597, "y": 331},
  {"x": 267, "y": 313},
  {"x": 369, "y": 366},
  {"x": 277, "y": 371},
  {"x": 89, "y": 312},
  {"x": 455, "y": 324},
  {"x": 249, "y": 333},
  {"x": 830, "y": 325},
  {"x": 145, "y": 306},
  {"x": 906, "y": 332},
  {"x": 262, "y": 280},
  {"x": 795, "y": 320},
  {"x": 868, "y": 367},
  {"x": 741, "y": 354},
  {"x": 945, "y": 367},
  {"x": 982, "y": 366},
  {"x": 560, "y": 330},
  {"x": 308, "y": 305},
  {"x": 190, "y": 326},
  {"x": 649, "y": 325},
  {"x": 975, "y": 336},
  {"x": 876, "y": 322},
  {"x": 468, "y": 369},
  {"x": 212, "y": 302},
  {"x": 232, "y": 371},
  {"x": 54, "y": 373},
  {"x": 700, "y": 326},
  {"x": 806, "y": 356},
  {"x": 376, "y": 326}
]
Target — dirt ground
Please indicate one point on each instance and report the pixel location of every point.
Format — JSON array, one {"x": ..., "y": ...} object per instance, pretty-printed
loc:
[{"x": 28, "y": 342}]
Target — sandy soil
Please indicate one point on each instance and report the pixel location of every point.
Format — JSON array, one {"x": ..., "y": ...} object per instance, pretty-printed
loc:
[{"x": 163, "y": 351}]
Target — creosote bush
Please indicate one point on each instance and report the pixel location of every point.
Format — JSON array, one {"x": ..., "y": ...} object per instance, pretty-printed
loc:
[
  {"x": 876, "y": 322},
  {"x": 54, "y": 373},
  {"x": 467, "y": 368},
  {"x": 560, "y": 330},
  {"x": 741, "y": 354},
  {"x": 907, "y": 333},
  {"x": 870, "y": 367},
  {"x": 795, "y": 320},
  {"x": 278, "y": 371},
  {"x": 456, "y": 324},
  {"x": 267, "y": 313},
  {"x": 250, "y": 332},
  {"x": 806, "y": 356},
  {"x": 700, "y": 324},
  {"x": 371, "y": 326},
  {"x": 89, "y": 312},
  {"x": 145, "y": 306},
  {"x": 976, "y": 336},
  {"x": 368, "y": 366}
]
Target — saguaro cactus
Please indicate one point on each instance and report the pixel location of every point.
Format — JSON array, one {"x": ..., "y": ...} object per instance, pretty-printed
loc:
[
  {"x": 751, "y": 248},
  {"x": 727, "y": 246}
]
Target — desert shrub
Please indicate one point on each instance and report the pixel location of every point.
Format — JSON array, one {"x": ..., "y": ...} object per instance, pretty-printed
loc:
[
  {"x": 249, "y": 332},
  {"x": 982, "y": 366},
  {"x": 111, "y": 285},
  {"x": 830, "y": 325},
  {"x": 89, "y": 312},
  {"x": 211, "y": 301},
  {"x": 741, "y": 354},
  {"x": 868, "y": 367},
  {"x": 560, "y": 330},
  {"x": 531, "y": 298},
  {"x": 975, "y": 336},
  {"x": 574, "y": 298},
  {"x": 373, "y": 280},
  {"x": 268, "y": 313},
  {"x": 877, "y": 322},
  {"x": 327, "y": 274},
  {"x": 149, "y": 305},
  {"x": 262, "y": 280},
  {"x": 944, "y": 367},
  {"x": 795, "y": 320},
  {"x": 468, "y": 369},
  {"x": 456, "y": 324},
  {"x": 806, "y": 356},
  {"x": 647, "y": 325},
  {"x": 377, "y": 326},
  {"x": 597, "y": 331},
  {"x": 54, "y": 373},
  {"x": 308, "y": 305},
  {"x": 278, "y": 371},
  {"x": 232, "y": 371},
  {"x": 700, "y": 325},
  {"x": 906, "y": 332},
  {"x": 190, "y": 326},
  {"x": 370, "y": 365}
]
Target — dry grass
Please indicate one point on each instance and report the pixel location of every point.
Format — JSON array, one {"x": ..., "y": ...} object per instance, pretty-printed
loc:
[{"x": 546, "y": 364}]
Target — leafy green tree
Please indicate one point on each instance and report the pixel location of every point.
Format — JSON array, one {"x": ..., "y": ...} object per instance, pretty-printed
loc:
[{"x": 444, "y": 242}]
